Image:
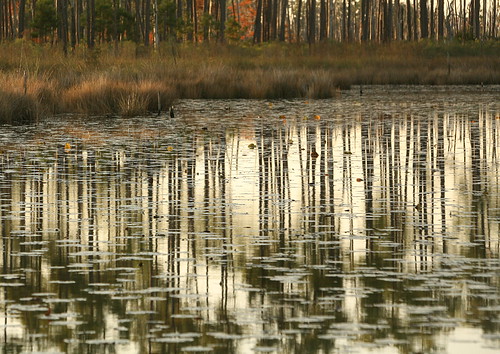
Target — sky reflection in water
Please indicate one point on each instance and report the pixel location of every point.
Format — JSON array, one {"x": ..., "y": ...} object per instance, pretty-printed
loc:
[{"x": 358, "y": 224}]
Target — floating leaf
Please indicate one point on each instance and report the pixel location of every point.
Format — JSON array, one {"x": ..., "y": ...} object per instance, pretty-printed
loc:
[
  {"x": 199, "y": 349},
  {"x": 107, "y": 341},
  {"x": 265, "y": 349},
  {"x": 67, "y": 147},
  {"x": 252, "y": 146},
  {"x": 317, "y": 117}
]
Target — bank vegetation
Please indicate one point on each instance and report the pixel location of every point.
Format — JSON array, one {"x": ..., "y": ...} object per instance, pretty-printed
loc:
[{"x": 40, "y": 80}]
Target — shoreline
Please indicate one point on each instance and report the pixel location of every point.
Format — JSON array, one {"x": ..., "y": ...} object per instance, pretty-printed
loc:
[{"x": 38, "y": 81}]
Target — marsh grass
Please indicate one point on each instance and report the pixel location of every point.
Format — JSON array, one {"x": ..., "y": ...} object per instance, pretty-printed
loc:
[
  {"x": 17, "y": 108},
  {"x": 125, "y": 83}
]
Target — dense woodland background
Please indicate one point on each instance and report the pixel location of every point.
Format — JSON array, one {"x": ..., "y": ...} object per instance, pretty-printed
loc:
[{"x": 148, "y": 22}]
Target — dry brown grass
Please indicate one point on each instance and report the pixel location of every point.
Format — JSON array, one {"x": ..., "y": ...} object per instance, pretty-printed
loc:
[
  {"x": 17, "y": 108},
  {"x": 100, "y": 82},
  {"x": 103, "y": 95}
]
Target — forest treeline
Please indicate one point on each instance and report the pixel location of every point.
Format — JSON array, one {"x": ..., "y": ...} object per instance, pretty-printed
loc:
[{"x": 71, "y": 23}]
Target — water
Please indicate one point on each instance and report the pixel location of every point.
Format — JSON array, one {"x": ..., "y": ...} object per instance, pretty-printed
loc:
[{"x": 353, "y": 225}]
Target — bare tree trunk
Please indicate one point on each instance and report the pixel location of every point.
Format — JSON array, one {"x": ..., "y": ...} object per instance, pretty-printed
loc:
[
  {"x": 156, "y": 29},
  {"x": 409, "y": 24},
  {"x": 312, "y": 22},
  {"x": 344, "y": 21},
  {"x": 72, "y": 26},
  {"x": 349, "y": 21},
  {"x": 266, "y": 16},
  {"x": 331, "y": 19},
  {"x": 464, "y": 13},
  {"x": 78, "y": 21},
  {"x": 90, "y": 23},
  {"x": 206, "y": 5},
  {"x": 389, "y": 21},
  {"x": 284, "y": 8},
  {"x": 456, "y": 18},
  {"x": 195, "y": 22},
  {"x": 222, "y": 20},
  {"x": 431, "y": 18},
  {"x": 365, "y": 9},
  {"x": 4, "y": 19},
  {"x": 274, "y": 20},
  {"x": 64, "y": 25},
  {"x": 116, "y": 36},
  {"x": 476, "y": 4},
  {"x": 398, "y": 20},
  {"x": 179, "y": 10},
  {"x": 299, "y": 17},
  {"x": 20, "y": 28},
  {"x": 147, "y": 21},
  {"x": 484, "y": 18},
  {"x": 322, "y": 20},
  {"x": 12, "y": 16},
  {"x": 257, "y": 33},
  {"x": 440, "y": 20},
  {"x": 189, "y": 18},
  {"x": 415, "y": 24},
  {"x": 494, "y": 20},
  {"x": 424, "y": 19},
  {"x": 138, "y": 20}
]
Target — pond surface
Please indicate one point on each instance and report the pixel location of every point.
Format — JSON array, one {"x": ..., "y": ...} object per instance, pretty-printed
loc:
[{"x": 360, "y": 224}]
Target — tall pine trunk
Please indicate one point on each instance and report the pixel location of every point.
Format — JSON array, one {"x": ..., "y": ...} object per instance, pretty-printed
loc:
[
  {"x": 322, "y": 21},
  {"x": 90, "y": 23},
  {"x": 494, "y": 20},
  {"x": 365, "y": 9},
  {"x": 409, "y": 25},
  {"x": 344, "y": 21},
  {"x": 431, "y": 20},
  {"x": 206, "y": 5},
  {"x": 299, "y": 18},
  {"x": 312, "y": 22},
  {"x": 284, "y": 7},
  {"x": 424, "y": 19},
  {"x": 222, "y": 19},
  {"x": 257, "y": 32},
  {"x": 440, "y": 20},
  {"x": 20, "y": 27}
]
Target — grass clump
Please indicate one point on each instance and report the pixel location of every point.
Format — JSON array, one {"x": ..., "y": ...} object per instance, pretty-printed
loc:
[
  {"x": 17, "y": 108},
  {"x": 104, "y": 81}
]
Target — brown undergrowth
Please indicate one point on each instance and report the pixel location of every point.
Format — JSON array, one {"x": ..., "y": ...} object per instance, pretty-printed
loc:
[{"x": 39, "y": 80}]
